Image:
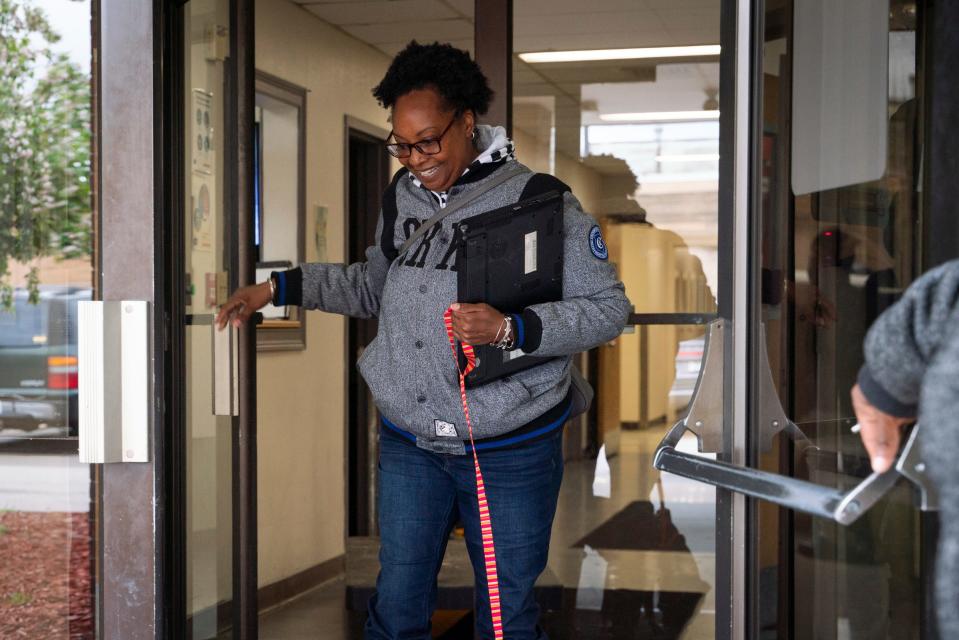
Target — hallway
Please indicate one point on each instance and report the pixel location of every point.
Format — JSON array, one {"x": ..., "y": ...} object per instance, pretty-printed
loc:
[{"x": 671, "y": 575}]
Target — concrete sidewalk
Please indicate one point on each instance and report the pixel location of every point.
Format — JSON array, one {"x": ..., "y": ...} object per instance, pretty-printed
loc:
[{"x": 41, "y": 482}]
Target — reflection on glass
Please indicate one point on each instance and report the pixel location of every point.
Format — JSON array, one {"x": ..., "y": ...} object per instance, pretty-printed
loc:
[
  {"x": 637, "y": 141},
  {"x": 209, "y": 438},
  {"x": 642, "y": 560},
  {"x": 832, "y": 261},
  {"x": 657, "y": 166},
  {"x": 46, "y": 520}
]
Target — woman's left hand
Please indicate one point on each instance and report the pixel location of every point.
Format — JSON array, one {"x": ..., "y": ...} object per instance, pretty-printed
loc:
[{"x": 476, "y": 323}]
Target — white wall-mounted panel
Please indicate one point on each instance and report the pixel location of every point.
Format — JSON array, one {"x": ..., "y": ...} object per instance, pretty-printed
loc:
[
  {"x": 115, "y": 381},
  {"x": 840, "y": 95}
]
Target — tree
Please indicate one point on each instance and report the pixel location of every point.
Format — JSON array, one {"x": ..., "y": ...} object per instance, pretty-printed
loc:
[{"x": 45, "y": 205}]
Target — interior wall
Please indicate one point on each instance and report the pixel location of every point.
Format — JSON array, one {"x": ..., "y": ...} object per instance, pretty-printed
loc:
[
  {"x": 280, "y": 124},
  {"x": 301, "y": 394},
  {"x": 532, "y": 129},
  {"x": 586, "y": 183},
  {"x": 533, "y": 150}
]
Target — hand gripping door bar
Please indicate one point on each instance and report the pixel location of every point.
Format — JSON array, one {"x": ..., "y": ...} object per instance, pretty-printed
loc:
[
  {"x": 808, "y": 497},
  {"x": 486, "y": 525}
]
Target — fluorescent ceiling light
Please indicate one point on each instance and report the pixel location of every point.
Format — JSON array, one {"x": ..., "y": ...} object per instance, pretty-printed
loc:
[
  {"x": 621, "y": 54},
  {"x": 660, "y": 116},
  {"x": 689, "y": 157}
]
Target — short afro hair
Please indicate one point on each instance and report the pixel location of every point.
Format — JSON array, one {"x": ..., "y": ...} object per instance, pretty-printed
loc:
[{"x": 451, "y": 71}]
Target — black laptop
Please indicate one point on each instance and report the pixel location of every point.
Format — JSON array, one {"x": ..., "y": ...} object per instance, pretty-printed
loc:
[{"x": 511, "y": 258}]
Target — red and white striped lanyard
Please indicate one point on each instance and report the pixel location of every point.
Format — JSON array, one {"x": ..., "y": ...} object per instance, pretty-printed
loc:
[{"x": 486, "y": 526}]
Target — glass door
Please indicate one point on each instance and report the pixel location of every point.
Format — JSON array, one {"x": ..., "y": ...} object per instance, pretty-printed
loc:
[
  {"x": 209, "y": 387},
  {"x": 621, "y": 102},
  {"x": 837, "y": 233},
  {"x": 830, "y": 238}
]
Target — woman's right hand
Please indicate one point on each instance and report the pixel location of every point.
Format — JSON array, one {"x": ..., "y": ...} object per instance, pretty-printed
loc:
[{"x": 244, "y": 302}]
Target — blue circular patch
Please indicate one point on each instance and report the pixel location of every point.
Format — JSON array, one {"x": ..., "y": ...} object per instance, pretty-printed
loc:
[{"x": 596, "y": 244}]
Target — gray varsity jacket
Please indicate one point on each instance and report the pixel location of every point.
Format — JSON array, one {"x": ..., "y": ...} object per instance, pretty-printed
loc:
[
  {"x": 906, "y": 339},
  {"x": 409, "y": 366},
  {"x": 912, "y": 368}
]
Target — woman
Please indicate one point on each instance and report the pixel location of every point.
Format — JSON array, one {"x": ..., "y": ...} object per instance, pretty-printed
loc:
[{"x": 426, "y": 479}]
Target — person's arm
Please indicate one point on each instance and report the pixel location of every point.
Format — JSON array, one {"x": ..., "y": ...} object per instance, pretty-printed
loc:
[
  {"x": 352, "y": 290},
  {"x": 348, "y": 289},
  {"x": 898, "y": 350},
  {"x": 594, "y": 308}
]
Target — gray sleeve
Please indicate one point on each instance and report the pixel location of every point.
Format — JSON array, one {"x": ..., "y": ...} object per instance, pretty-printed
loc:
[
  {"x": 902, "y": 342},
  {"x": 594, "y": 308},
  {"x": 353, "y": 290}
]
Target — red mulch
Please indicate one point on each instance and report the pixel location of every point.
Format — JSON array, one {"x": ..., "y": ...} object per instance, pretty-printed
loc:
[{"x": 46, "y": 587}]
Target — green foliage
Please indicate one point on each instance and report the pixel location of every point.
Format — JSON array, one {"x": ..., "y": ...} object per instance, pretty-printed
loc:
[
  {"x": 18, "y": 598},
  {"x": 3, "y": 531},
  {"x": 44, "y": 148}
]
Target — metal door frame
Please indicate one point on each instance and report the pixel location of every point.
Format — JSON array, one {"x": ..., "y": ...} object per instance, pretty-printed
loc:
[
  {"x": 142, "y": 556},
  {"x": 132, "y": 199}
]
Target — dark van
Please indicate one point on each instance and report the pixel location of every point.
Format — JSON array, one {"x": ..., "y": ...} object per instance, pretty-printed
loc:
[{"x": 38, "y": 363}]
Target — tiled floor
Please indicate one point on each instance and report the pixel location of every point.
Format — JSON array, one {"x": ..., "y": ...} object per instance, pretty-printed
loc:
[
  {"x": 645, "y": 593},
  {"x": 319, "y": 613}
]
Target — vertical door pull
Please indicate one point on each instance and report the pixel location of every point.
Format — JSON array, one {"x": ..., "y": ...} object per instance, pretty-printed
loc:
[
  {"x": 226, "y": 372},
  {"x": 114, "y": 380}
]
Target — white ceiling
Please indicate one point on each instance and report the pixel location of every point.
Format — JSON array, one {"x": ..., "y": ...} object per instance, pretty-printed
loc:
[
  {"x": 389, "y": 25},
  {"x": 540, "y": 25}
]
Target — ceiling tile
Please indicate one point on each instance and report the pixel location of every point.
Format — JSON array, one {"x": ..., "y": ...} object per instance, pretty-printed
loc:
[
  {"x": 690, "y": 18},
  {"x": 423, "y": 31},
  {"x": 600, "y": 25},
  {"x": 539, "y": 8},
  {"x": 464, "y": 7},
  {"x": 392, "y": 48},
  {"x": 683, "y": 4},
  {"x": 592, "y": 41},
  {"x": 695, "y": 36},
  {"x": 380, "y": 11}
]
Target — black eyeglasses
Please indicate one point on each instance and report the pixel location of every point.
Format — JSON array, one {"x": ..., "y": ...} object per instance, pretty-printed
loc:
[{"x": 427, "y": 147}]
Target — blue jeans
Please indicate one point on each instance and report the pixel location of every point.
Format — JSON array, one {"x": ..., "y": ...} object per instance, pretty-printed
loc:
[{"x": 422, "y": 495}]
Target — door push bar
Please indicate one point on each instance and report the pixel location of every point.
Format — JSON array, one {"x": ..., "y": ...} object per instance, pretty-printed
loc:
[{"x": 808, "y": 497}]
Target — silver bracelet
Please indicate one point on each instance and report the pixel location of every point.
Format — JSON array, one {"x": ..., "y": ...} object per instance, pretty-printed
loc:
[
  {"x": 272, "y": 282},
  {"x": 496, "y": 338},
  {"x": 506, "y": 342}
]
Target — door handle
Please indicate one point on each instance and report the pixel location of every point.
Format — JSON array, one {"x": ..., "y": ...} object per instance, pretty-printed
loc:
[
  {"x": 705, "y": 420},
  {"x": 800, "y": 495},
  {"x": 226, "y": 374}
]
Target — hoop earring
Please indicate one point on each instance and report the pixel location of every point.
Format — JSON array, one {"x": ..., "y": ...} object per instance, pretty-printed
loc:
[{"x": 473, "y": 136}]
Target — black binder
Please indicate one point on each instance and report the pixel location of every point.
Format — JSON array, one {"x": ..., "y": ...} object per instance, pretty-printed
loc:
[{"x": 511, "y": 258}]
